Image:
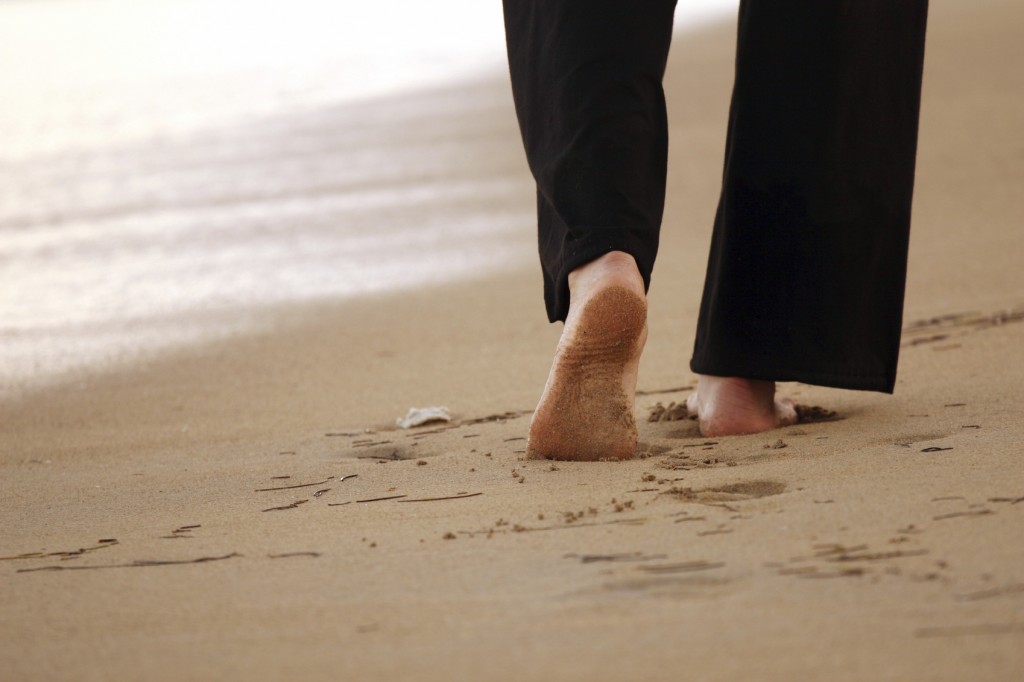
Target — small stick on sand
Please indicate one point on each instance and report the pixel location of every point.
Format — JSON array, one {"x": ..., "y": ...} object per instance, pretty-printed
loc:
[
  {"x": 293, "y": 505},
  {"x": 682, "y": 567},
  {"x": 293, "y": 487},
  {"x": 438, "y": 499},
  {"x": 134, "y": 564},
  {"x": 381, "y": 499},
  {"x": 981, "y": 512}
]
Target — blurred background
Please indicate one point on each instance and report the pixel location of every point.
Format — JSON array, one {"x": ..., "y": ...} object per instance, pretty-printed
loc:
[{"x": 172, "y": 168}]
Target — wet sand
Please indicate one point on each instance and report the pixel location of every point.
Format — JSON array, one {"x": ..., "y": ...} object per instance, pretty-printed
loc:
[{"x": 245, "y": 506}]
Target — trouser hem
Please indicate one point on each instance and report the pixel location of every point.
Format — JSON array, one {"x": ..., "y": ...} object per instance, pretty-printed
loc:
[
  {"x": 850, "y": 379},
  {"x": 556, "y": 281}
]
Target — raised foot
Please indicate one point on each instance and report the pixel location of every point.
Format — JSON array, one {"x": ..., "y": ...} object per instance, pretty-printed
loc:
[
  {"x": 586, "y": 410},
  {"x": 732, "y": 406}
]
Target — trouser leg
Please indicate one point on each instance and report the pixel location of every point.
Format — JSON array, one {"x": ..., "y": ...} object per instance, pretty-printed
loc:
[
  {"x": 806, "y": 274},
  {"x": 586, "y": 79}
]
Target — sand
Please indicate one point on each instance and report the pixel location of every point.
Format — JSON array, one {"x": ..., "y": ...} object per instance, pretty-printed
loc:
[{"x": 143, "y": 537}]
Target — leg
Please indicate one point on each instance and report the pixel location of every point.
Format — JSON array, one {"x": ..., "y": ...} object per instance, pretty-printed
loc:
[
  {"x": 586, "y": 78},
  {"x": 806, "y": 273}
]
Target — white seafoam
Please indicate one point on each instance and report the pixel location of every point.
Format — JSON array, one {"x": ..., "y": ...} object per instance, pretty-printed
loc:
[{"x": 162, "y": 179}]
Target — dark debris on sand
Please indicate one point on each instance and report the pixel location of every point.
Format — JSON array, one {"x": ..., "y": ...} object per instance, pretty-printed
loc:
[{"x": 807, "y": 414}]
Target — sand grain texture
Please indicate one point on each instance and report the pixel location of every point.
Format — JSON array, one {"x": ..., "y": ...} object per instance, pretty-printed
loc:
[{"x": 885, "y": 545}]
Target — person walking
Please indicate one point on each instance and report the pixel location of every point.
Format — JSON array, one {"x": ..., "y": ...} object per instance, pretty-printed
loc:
[{"x": 807, "y": 267}]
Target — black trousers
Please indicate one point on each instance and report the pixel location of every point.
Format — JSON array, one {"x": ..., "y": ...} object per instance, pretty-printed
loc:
[{"x": 807, "y": 267}]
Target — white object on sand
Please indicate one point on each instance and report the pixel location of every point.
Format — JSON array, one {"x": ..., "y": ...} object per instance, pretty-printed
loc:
[{"x": 423, "y": 415}]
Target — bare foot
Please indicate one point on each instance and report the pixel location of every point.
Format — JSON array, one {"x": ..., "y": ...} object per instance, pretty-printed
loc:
[
  {"x": 586, "y": 410},
  {"x": 731, "y": 406}
]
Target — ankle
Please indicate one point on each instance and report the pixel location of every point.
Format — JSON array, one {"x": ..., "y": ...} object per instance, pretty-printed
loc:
[
  {"x": 737, "y": 393},
  {"x": 615, "y": 266}
]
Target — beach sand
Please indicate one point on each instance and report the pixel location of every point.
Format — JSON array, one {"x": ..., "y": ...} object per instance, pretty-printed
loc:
[{"x": 221, "y": 510}]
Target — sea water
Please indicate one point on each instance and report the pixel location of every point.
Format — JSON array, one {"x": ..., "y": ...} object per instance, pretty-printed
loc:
[{"x": 171, "y": 168}]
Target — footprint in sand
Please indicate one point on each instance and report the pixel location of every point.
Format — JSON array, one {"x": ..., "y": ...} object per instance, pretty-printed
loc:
[{"x": 734, "y": 492}]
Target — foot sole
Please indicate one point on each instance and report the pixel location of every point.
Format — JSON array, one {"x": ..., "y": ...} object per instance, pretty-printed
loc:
[{"x": 585, "y": 412}]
